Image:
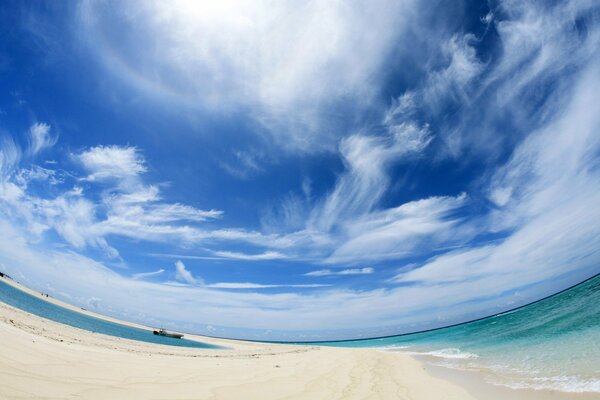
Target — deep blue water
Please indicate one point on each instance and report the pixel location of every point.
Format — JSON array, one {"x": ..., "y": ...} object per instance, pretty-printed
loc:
[
  {"x": 37, "y": 306},
  {"x": 551, "y": 344}
]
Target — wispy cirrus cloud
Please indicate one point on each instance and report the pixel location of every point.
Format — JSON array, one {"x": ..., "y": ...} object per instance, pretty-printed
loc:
[
  {"x": 112, "y": 162},
  {"x": 128, "y": 207},
  {"x": 347, "y": 271},
  {"x": 144, "y": 275},
  {"x": 250, "y": 285},
  {"x": 367, "y": 159},
  {"x": 40, "y": 138},
  {"x": 268, "y": 255},
  {"x": 413, "y": 228}
]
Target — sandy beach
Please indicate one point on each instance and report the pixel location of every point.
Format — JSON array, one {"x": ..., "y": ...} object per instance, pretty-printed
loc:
[{"x": 42, "y": 359}]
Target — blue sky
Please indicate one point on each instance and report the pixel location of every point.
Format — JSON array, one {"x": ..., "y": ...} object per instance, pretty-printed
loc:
[{"x": 299, "y": 170}]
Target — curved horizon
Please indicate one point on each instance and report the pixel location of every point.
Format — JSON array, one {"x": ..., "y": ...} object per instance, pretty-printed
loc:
[{"x": 44, "y": 314}]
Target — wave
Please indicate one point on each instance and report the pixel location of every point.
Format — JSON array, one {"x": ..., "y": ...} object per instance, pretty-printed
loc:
[
  {"x": 448, "y": 353},
  {"x": 457, "y": 359},
  {"x": 570, "y": 384}
]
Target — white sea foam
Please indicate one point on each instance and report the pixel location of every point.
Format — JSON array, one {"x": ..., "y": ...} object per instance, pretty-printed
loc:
[
  {"x": 449, "y": 353},
  {"x": 452, "y": 353},
  {"x": 570, "y": 384},
  {"x": 501, "y": 374},
  {"x": 394, "y": 348}
]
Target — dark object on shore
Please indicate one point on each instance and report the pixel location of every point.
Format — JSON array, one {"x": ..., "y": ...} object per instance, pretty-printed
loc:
[
  {"x": 3, "y": 275},
  {"x": 163, "y": 332}
]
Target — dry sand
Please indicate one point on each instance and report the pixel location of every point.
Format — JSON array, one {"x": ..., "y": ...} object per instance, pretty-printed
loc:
[{"x": 42, "y": 359}]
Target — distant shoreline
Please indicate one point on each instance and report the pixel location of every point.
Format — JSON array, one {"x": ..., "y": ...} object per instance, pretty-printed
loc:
[{"x": 80, "y": 310}]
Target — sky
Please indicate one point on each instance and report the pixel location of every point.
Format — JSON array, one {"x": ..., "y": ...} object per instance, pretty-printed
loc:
[{"x": 300, "y": 170}]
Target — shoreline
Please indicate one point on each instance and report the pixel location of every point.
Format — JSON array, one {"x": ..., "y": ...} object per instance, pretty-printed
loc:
[
  {"x": 477, "y": 384},
  {"x": 47, "y": 359},
  {"x": 55, "y": 301}
]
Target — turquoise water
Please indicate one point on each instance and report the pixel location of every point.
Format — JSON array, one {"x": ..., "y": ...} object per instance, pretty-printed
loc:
[
  {"x": 34, "y": 305},
  {"x": 551, "y": 344}
]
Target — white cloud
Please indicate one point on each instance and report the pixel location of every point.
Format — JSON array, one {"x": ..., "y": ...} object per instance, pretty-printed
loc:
[
  {"x": 112, "y": 162},
  {"x": 10, "y": 155},
  {"x": 128, "y": 208},
  {"x": 37, "y": 173},
  {"x": 149, "y": 213},
  {"x": 244, "y": 165},
  {"x": 447, "y": 86},
  {"x": 289, "y": 314},
  {"x": 500, "y": 196},
  {"x": 69, "y": 214},
  {"x": 287, "y": 62},
  {"x": 176, "y": 212},
  {"x": 553, "y": 180},
  {"x": 249, "y": 285},
  {"x": 542, "y": 48},
  {"x": 367, "y": 159},
  {"x": 268, "y": 255},
  {"x": 410, "y": 229},
  {"x": 143, "y": 275},
  {"x": 72, "y": 216},
  {"x": 348, "y": 271},
  {"x": 40, "y": 138},
  {"x": 346, "y": 225},
  {"x": 450, "y": 81},
  {"x": 183, "y": 275}
]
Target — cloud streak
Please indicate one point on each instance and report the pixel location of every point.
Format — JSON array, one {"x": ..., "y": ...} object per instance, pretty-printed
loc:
[
  {"x": 40, "y": 138},
  {"x": 182, "y": 274},
  {"x": 144, "y": 275},
  {"x": 112, "y": 162},
  {"x": 348, "y": 271},
  {"x": 249, "y": 285}
]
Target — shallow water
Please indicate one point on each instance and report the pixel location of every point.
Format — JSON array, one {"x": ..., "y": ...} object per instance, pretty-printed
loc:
[
  {"x": 26, "y": 302},
  {"x": 551, "y": 344}
]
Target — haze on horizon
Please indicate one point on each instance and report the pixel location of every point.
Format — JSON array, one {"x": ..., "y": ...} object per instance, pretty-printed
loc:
[{"x": 300, "y": 170}]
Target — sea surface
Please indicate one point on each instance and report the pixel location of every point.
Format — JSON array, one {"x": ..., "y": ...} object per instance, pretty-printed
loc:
[
  {"x": 34, "y": 305},
  {"x": 551, "y": 344}
]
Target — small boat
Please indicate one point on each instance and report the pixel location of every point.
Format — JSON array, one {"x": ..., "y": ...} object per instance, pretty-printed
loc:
[{"x": 163, "y": 332}]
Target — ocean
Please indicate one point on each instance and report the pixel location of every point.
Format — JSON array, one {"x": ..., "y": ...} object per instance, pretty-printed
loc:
[
  {"x": 551, "y": 344},
  {"x": 34, "y": 305}
]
